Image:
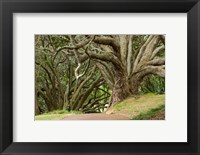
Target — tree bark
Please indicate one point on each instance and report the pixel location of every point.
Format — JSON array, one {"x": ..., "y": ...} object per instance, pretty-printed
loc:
[
  {"x": 37, "y": 110},
  {"x": 124, "y": 87},
  {"x": 121, "y": 89}
]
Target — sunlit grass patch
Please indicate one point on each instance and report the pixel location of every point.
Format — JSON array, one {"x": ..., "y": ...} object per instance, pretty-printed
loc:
[
  {"x": 133, "y": 107},
  {"x": 49, "y": 117},
  {"x": 62, "y": 112},
  {"x": 55, "y": 115}
]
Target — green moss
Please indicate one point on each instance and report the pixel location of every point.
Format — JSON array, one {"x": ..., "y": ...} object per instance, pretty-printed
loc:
[
  {"x": 120, "y": 106},
  {"x": 149, "y": 114}
]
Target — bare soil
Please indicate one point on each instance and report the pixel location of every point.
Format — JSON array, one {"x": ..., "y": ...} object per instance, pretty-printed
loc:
[{"x": 95, "y": 116}]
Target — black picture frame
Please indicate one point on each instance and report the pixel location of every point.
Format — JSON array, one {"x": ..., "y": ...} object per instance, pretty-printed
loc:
[{"x": 8, "y": 7}]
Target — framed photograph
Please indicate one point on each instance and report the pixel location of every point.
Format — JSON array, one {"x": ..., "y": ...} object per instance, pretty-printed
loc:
[{"x": 99, "y": 77}]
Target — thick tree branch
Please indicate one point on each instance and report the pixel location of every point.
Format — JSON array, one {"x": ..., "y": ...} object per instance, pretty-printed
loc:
[
  {"x": 156, "y": 62},
  {"x": 130, "y": 54},
  {"x": 157, "y": 50},
  {"x": 76, "y": 46},
  {"x": 108, "y": 41},
  {"x": 123, "y": 48},
  {"x": 103, "y": 56},
  {"x": 78, "y": 61},
  {"x": 107, "y": 74},
  {"x": 156, "y": 70},
  {"x": 141, "y": 51},
  {"x": 149, "y": 49}
]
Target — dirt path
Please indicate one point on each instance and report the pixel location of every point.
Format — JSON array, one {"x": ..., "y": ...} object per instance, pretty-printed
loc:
[{"x": 95, "y": 117}]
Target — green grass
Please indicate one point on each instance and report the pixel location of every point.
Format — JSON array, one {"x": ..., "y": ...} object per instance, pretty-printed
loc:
[
  {"x": 134, "y": 107},
  {"x": 50, "y": 117},
  {"x": 55, "y": 115},
  {"x": 62, "y": 112},
  {"x": 150, "y": 114}
]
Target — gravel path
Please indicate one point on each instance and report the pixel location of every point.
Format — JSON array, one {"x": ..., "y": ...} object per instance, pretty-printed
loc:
[{"x": 95, "y": 117}]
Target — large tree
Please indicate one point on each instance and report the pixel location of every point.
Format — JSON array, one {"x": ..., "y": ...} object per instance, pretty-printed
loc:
[{"x": 124, "y": 60}]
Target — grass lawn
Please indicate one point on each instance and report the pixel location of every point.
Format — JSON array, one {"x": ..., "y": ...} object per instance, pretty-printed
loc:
[
  {"x": 49, "y": 117},
  {"x": 153, "y": 114},
  {"x": 144, "y": 107},
  {"x": 55, "y": 115}
]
